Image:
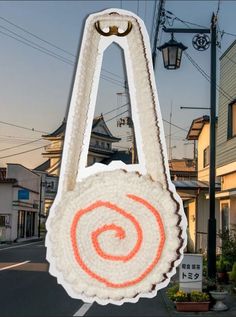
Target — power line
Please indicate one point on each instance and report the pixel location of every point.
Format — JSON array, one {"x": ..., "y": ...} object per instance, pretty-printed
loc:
[
  {"x": 36, "y": 36},
  {"x": 106, "y": 113},
  {"x": 19, "y": 145},
  {"x": 37, "y": 48},
  {"x": 117, "y": 116},
  {"x": 207, "y": 77},
  {"x": 21, "y": 127},
  {"x": 3, "y": 157},
  {"x": 47, "y": 42},
  {"x": 62, "y": 59},
  {"x": 183, "y": 21},
  {"x": 175, "y": 125},
  {"x": 37, "y": 45}
]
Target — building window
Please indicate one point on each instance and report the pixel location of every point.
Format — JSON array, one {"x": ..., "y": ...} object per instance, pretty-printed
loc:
[
  {"x": 103, "y": 145},
  {"x": 2, "y": 221},
  {"x": 108, "y": 146},
  {"x": 97, "y": 143},
  {"x": 21, "y": 224},
  {"x": 224, "y": 217},
  {"x": 232, "y": 120},
  {"x": 206, "y": 157}
]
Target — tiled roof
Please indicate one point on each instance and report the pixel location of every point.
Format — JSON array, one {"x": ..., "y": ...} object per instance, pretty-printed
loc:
[
  {"x": 124, "y": 156},
  {"x": 192, "y": 184},
  {"x": 58, "y": 131},
  {"x": 43, "y": 167},
  {"x": 182, "y": 165},
  {"x": 196, "y": 127}
]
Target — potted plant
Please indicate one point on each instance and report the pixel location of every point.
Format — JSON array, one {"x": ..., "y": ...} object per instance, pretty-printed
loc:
[
  {"x": 195, "y": 301},
  {"x": 219, "y": 294},
  {"x": 222, "y": 266}
]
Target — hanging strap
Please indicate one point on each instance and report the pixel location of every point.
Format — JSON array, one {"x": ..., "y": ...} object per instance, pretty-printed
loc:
[{"x": 129, "y": 32}]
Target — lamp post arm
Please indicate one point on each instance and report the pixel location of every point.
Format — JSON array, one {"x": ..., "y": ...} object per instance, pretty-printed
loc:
[{"x": 183, "y": 30}]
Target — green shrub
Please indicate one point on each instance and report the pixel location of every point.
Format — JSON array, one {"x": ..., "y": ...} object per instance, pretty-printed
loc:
[
  {"x": 171, "y": 291},
  {"x": 228, "y": 246},
  {"x": 177, "y": 295},
  {"x": 232, "y": 274},
  {"x": 222, "y": 265},
  {"x": 196, "y": 296}
]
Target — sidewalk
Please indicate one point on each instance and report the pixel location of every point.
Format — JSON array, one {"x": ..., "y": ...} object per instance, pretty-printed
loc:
[
  {"x": 20, "y": 242},
  {"x": 230, "y": 302}
]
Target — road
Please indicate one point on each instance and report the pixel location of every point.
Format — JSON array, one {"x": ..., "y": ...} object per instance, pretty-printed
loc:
[{"x": 27, "y": 289}]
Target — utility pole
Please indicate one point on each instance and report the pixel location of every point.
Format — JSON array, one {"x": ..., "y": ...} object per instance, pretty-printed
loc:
[
  {"x": 156, "y": 36},
  {"x": 128, "y": 121},
  {"x": 211, "y": 248},
  {"x": 170, "y": 132}
]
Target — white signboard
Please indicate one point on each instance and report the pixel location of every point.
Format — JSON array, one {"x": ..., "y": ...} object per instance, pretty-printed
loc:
[{"x": 190, "y": 273}]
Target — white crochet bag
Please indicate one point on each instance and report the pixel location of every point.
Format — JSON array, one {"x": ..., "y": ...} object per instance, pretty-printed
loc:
[{"x": 115, "y": 233}]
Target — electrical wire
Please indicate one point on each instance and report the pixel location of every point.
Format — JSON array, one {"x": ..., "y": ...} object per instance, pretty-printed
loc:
[
  {"x": 48, "y": 42},
  {"x": 35, "y": 44},
  {"x": 36, "y": 36},
  {"x": 106, "y": 113},
  {"x": 22, "y": 127},
  {"x": 19, "y": 145},
  {"x": 183, "y": 21},
  {"x": 120, "y": 114},
  {"x": 175, "y": 125},
  {"x": 47, "y": 52},
  {"x": 19, "y": 153},
  {"x": 207, "y": 77}
]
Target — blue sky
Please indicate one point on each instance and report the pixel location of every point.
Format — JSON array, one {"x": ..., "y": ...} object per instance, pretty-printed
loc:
[{"x": 35, "y": 87}]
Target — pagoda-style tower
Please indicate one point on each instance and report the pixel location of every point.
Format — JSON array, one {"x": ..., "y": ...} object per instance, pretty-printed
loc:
[{"x": 100, "y": 146}]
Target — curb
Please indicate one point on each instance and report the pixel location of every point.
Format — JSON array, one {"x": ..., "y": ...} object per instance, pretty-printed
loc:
[{"x": 11, "y": 244}]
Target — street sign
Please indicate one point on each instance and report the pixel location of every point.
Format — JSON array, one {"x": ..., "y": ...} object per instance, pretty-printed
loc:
[
  {"x": 190, "y": 273},
  {"x": 23, "y": 194}
]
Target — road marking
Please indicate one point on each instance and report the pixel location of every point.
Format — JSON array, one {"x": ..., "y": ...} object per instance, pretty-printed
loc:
[
  {"x": 83, "y": 309},
  {"x": 20, "y": 246},
  {"x": 13, "y": 265}
]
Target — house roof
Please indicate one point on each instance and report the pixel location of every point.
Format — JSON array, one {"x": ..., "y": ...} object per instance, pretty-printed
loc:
[
  {"x": 228, "y": 49},
  {"x": 182, "y": 165},
  {"x": 196, "y": 127},
  {"x": 61, "y": 130},
  {"x": 124, "y": 156},
  {"x": 193, "y": 184},
  {"x": 43, "y": 167},
  {"x": 58, "y": 131}
]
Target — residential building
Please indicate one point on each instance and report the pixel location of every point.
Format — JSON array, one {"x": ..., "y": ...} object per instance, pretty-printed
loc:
[
  {"x": 183, "y": 169},
  {"x": 226, "y": 139},
  {"x": 19, "y": 203},
  {"x": 195, "y": 192}
]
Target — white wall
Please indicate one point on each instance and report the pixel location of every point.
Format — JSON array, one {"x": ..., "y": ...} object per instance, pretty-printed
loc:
[{"x": 24, "y": 176}]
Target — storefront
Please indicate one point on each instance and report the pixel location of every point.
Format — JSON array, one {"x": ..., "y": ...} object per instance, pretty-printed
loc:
[{"x": 26, "y": 224}]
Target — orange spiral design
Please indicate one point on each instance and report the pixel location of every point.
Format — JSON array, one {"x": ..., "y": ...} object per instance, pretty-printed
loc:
[{"x": 120, "y": 233}]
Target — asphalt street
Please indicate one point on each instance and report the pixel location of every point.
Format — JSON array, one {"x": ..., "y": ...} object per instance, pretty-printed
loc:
[{"x": 27, "y": 289}]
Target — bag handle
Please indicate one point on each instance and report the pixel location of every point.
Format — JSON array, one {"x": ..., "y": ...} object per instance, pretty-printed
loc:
[{"x": 145, "y": 107}]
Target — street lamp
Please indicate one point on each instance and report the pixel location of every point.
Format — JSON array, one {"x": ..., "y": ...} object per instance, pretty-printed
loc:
[{"x": 171, "y": 53}]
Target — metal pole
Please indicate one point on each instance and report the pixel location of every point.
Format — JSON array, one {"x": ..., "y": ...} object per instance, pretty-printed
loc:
[
  {"x": 154, "y": 49},
  {"x": 40, "y": 200},
  {"x": 211, "y": 248}
]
